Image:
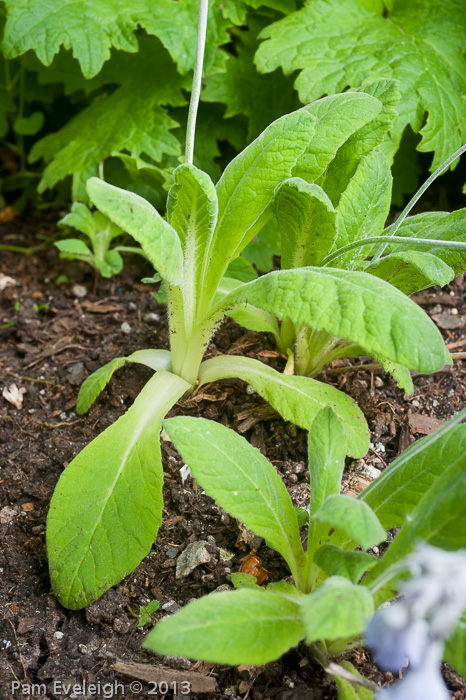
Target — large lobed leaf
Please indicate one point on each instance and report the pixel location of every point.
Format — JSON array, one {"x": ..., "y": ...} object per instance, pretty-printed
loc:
[
  {"x": 107, "y": 506},
  {"x": 336, "y": 43},
  {"x": 91, "y": 27},
  {"x": 350, "y": 305}
]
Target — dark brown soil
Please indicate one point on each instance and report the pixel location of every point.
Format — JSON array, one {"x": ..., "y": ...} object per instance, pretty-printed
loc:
[{"x": 48, "y": 352}]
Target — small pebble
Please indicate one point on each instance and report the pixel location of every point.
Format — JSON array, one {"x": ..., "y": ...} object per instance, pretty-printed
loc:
[
  {"x": 132, "y": 306},
  {"x": 171, "y": 606},
  {"x": 58, "y": 635},
  {"x": 125, "y": 327},
  {"x": 151, "y": 318},
  {"x": 79, "y": 291}
]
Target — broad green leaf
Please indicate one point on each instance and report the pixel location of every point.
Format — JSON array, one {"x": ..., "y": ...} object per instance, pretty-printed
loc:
[
  {"x": 46, "y": 25},
  {"x": 98, "y": 131},
  {"x": 240, "y": 580},
  {"x": 351, "y": 691},
  {"x": 455, "y": 650},
  {"x": 29, "y": 126},
  {"x": 364, "y": 140},
  {"x": 192, "y": 209},
  {"x": 337, "y": 118},
  {"x": 241, "y": 481},
  {"x": 246, "y": 188},
  {"x": 80, "y": 217},
  {"x": 398, "y": 490},
  {"x": 439, "y": 225},
  {"x": 412, "y": 270},
  {"x": 111, "y": 265},
  {"x": 95, "y": 383},
  {"x": 241, "y": 269},
  {"x": 364, "y": 205},
  {"x": 438, "y": 518},
  {"x": 135, "y": 215},
  {"x": 302, "y": 516},
  {"x": 355, "y": 306},
  {"x": 336, "y": 562},
  {"x": 297, "y": 399},
  {"x": 327, "y": 452},
  {"x": 236, "y": 627},
  {"x": 307, "y": 223},
  {"x": 352, "y": 517},
  {"x": 285, "y": 588},
  {"x": 71, "y": 247},
  {"x": 336, "y": 610},
  {"x": 336, "y": 43},
  {"x": 400, "y": 374},
  {"x": 238, "y": 85},
  {"x": 107, "y": 506},
  {"x": 256, "y": 320}
]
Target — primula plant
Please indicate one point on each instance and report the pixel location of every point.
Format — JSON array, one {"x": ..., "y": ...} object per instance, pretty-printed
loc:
[
  {"x": 102, "y": 256},
  {"x": 336, "y": 583},
  {"x": 107, "y": 506}
]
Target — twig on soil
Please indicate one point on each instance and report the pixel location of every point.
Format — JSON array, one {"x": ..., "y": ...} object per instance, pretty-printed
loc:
[
  {"x": 30, "y": 379},
  {"x": 335, "y": 670},
  {"x": 59, "y": 425},
  {"x": 19, "y": 649},
  {"x": 376, "y": 366}
]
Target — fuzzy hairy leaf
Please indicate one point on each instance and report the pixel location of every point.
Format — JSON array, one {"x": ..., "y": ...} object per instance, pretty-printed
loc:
[
  {"x": 245, "y": 190},
  {"x": 336, "y": 562},
  {"x": 97, "y": 381},
  {"x": 354, "y": 605},
  {"x": 107, "y": 506},
  {"x": 327, "y": 452},
  {"x": 412, "y": 270},
  {"x": 297, "y": 399},
  {"x": 343, "y": 513},
  {"x": 337, "y": 119},
  {"x": 307, "y": 223},
  {"x": 45, "y": 25},
  {"x": 135, "y": 215},
  {"x": 354, "y": 306},
  {"x": 241, "y": 481},
  {"x": 336, "y": 43},
  {"x": 394, "y": 494},
  {"x": 246, "y": 626}
]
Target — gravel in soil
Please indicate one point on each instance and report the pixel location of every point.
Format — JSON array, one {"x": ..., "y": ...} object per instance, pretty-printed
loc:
[{"x": 62, "y": 331}]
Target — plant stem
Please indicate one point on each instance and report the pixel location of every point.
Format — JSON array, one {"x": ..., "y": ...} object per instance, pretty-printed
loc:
[
  {"x": 419, "y": 194},
  {"x": 395, "y": 240},
  {"x": 197, "y": 80}
]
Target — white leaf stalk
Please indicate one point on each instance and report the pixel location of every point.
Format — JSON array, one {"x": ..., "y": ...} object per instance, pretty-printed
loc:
[{"x": 197, "y": 81}]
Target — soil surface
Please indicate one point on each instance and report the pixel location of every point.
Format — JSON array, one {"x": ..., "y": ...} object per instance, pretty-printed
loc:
[{"x": 54, "y": 334}]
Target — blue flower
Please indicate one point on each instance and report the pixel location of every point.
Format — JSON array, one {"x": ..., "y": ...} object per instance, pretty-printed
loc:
[
  {"x": 396, "y": 639},
  {"x": 424, "y": 682}
]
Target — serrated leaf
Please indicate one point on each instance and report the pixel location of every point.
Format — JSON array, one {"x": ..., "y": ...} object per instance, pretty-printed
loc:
[
  {"x": 439, "y": 225},
  {"x": 455, "y": 649},
  {"x": 45, "y": 25},
  {"x": 354, "y": 605},
  {"x": 327, "y": 452},
  {"x": 96, "y": 382},
  {"x": 80, "y": 217},
  {"x": 135, "y": 215},
  {"x": 412, "y": 270},
  {"x": 107, "y": 506},
  {"x": 355, "y": 306},
  {"x": 397, "y": 491},
  {"x": 400, "y": 374},
  {"x": 297, "y": 399},
  {"x": 364, "y": 205},
  {"x": 241, "y": 481},
  {"x": 266, "y": 98},
  {"x": 236, "y": 627},
  {"x": 98, "y": 130},
  {"x": 352, "y": 517},
  {"x": 70, "y": 247},
  {"x": 336, "y": 562},
  {"x": 307, "y": 222},
  {"x": 335, "y": 44},
  {"x": 245, "y": 190},
  {"x": 337, "y": 118}
]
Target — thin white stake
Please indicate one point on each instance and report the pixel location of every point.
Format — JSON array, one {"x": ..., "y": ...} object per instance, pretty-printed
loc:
[{"x": 197, "y": 80}]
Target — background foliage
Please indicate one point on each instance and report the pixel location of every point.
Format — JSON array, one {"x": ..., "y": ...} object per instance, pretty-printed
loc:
[{"x": 105, "y": 83}]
